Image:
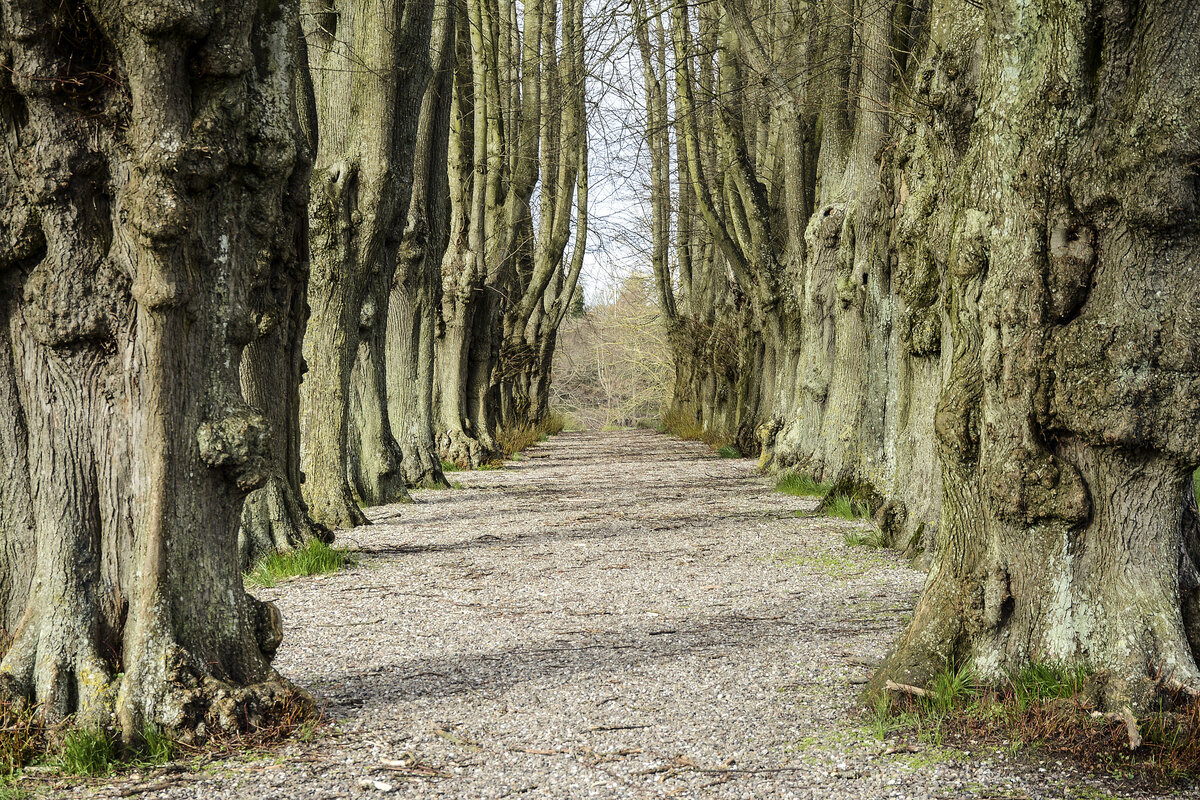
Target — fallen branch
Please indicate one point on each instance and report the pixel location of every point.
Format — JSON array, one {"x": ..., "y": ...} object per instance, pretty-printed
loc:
[{"x": 904, "y": 688}]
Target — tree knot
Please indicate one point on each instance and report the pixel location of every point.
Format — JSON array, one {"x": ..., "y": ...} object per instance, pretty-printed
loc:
[{"x": 239, "y": 444}]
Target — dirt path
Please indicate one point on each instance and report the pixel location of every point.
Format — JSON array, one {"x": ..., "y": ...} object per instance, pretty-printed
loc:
[{"x": 618, "y": 615}]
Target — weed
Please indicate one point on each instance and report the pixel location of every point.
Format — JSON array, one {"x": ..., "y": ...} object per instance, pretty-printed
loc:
[
  {"x": 1049, "y": 707},
  {"x": 87, "y": 751},
  {"x": 872, "y": 538},
  {"x": 729, "y": 451},
  {"x": 450, "y": 466},
  {"x": 21, "y": 736},
  {"x": 315, "y": 558},
  {"x": 798, "y": 485},
  {"x": 846, "y": 507},
  {"x": 11, "y": 791},
  {"x": 156, "y": 747},
  {"x": 1043, "y": 681}
]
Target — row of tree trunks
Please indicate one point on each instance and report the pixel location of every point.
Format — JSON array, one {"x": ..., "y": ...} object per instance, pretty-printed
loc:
[
  {"x": 228, "y": 292},
  {"x": 369, "y": 69},
  {"x": 518, "y": 123},
  {"x": 966, "y": 242}
]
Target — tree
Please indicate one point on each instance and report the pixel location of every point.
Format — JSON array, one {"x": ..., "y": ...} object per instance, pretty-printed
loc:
[
  {"x": 369, "y": 68},
  {"x": 1066, "y": 434},
  {"x": 151, "y": 154},
  {"x": 949, "y": 226},
  {"x": 416, "y": 287},
  {"x": 518, "y": 122}
]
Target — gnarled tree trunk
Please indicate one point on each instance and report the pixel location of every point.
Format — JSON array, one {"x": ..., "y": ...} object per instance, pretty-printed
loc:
[
  {"x": 154, "y": 148},
  {"x": 369, "y": 67}
]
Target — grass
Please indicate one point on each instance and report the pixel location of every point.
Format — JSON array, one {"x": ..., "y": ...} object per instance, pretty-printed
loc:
[
  {"x": 450, "y": 466},
  {"x": 684, "y": 423},
  {"x": 315, "y": 558},
  {"x": 846, "y": 507},
  {"x": 872, "y": 538},
  {"x": 799, "y": 485},
  {"x": 1049, "y": 708},
  {"x": 518, "y": 438},
  {"x": 88, "y": 752}
]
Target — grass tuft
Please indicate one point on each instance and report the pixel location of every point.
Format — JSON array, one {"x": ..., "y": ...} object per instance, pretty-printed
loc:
[
  {"x": 729, "y": 451},
  {"x": 315, "y": 558},
  {"x": 86, "y": 751},
  {"x": 799, "y": 485},
  {"x": 683, "y": 422},
  {"x": 518, "y": 438},
  {"x": 1050, "y": 707},
  {"x": 872, "y": 538},
  {"x": 156, "y": 747},
  {"x": 846, "y": 508},
  {"x": 450, "y": 466}
]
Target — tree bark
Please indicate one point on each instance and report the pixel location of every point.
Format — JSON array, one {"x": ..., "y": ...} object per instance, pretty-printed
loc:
[
  {"x": 416, "y": 287},
  {"x": 1066, "y": 434},
  {"x": 151, "y": 173},
  {"x": 369, "y": 67}
]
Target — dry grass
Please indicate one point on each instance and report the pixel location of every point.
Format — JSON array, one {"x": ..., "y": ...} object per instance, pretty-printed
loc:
[
  {"x": 518, "y": 438},
  {"x": 1052, "y": 709},
  {"x": 682, "y": 422}
]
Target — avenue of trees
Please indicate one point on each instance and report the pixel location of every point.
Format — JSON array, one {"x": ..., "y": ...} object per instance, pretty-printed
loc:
[
  {"x": 944, "y": 257},
  {"x": 263, "y": 266},
  {"x": 260, "y": 266}
]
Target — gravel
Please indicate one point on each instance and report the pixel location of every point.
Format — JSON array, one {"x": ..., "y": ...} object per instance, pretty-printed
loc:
[{"x": 616, "y": 615}]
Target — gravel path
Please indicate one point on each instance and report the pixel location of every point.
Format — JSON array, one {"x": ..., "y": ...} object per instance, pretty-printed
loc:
[{"x": 617, "y": 615}]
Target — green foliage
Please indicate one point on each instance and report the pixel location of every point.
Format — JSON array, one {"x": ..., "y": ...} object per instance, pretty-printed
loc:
[
  {"x": 156, "y": 747},
  {"x": 85, "y": 751},
  {"x": 872, "y": 538},
  {"x": 9, "y": 790},
  {"x": 798, "y": 485},
  {"x": 315, "y": 558},
  {"x": 450, "y": 466},
  {"x": 1043, "y": 681},
  {"x": 729, "y": 451},
  {"x": 846, "y": 508},
  {"x": 953, "y": 689}
]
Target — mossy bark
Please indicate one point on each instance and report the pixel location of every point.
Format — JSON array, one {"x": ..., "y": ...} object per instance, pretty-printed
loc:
[
  {"x": 369, "y": 68},
  {"x": 156, "y": 148}
]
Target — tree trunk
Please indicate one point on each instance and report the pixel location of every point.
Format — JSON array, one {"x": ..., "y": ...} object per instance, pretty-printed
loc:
[
  {"x": 274, "y": 517},
  {"x": 144, "y": 214},
  {"x": 1067, "y": 434},
  {"x": 369, "y": 67},
  {"x": 416, "y": 286}
]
